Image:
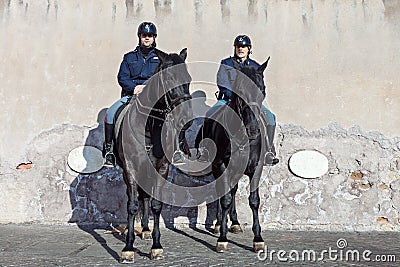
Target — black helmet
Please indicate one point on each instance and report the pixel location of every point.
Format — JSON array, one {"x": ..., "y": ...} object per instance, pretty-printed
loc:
[
  {"x": 147, "y": 27},
  {"x": 242, "y": 40}
]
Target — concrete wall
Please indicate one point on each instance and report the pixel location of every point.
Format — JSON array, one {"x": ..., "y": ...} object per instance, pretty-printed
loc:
[{"x": 331, "y": 61}]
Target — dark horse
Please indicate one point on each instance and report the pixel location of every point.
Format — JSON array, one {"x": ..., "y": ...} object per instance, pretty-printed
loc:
[
  {"x": 239, "y": 150},
  {"x": 144, "y": 174}
]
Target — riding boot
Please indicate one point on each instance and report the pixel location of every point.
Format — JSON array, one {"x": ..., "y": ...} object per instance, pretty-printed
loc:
[
  {"x": 270, "y": 157},
  {"x": 108, "y": 145}
]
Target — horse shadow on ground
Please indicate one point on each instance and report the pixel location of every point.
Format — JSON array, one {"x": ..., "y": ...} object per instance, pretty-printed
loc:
[
  {"x": 174, "y": 215},
  {"x": 99, "y": 202},
  {"x": 98, "y": 199}
]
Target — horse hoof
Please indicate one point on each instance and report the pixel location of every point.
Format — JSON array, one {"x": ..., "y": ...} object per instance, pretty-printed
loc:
[
  {"x": 127, "y": 257},
  {"x": 146, "y": 235},
  {"x": 222, "y": 247},
  {"x": 258, "y": 246},
  {"x": 216, "y": 229},
  {"x": 236, "y": 229},
  {"x": 157, "y": 254}
]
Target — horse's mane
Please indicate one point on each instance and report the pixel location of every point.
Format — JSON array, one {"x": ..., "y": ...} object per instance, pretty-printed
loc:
[{"x": 172, "y": 66}]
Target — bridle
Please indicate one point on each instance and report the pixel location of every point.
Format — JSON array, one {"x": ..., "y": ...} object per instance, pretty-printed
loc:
[
  {"x": 170, "y": 102},
  {"x": 174, "y": 102}
]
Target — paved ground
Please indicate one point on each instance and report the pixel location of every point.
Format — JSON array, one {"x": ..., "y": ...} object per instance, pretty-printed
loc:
[{"x": 72, "y": 245}]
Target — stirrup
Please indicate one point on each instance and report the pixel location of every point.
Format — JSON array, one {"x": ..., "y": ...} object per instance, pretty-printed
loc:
[
  {"x": 178, "y": 158},
  {"x": 203, "y": 155},
  {"x": 270, "y": 159},
  {"x": 109, "y": 160}
]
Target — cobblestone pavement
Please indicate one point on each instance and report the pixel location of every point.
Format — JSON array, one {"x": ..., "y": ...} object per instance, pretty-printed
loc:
[{"x": 72, "y": 245}]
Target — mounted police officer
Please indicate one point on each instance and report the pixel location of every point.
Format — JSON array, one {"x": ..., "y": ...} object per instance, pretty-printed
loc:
[
  {"x": 225, "y": 79},
  {"x": 136, "y": 68}
]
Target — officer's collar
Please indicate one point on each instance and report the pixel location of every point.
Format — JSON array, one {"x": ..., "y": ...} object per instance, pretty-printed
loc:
[
  {"x": 237, "y": 59},
  {"x": 146, "y": 49}
]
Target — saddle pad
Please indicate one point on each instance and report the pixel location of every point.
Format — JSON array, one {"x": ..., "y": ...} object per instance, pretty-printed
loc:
[{"x": 119, "y": 118}]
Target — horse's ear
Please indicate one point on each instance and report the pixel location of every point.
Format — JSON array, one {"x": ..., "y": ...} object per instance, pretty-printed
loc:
[
  {"x": 183, "y": 54},
  {"x": 263, "y": 66},
  {"x": 161, "y": 55}
]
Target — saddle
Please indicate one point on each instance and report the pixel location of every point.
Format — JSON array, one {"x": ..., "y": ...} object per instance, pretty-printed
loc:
[{"x": 119, "y": 117}]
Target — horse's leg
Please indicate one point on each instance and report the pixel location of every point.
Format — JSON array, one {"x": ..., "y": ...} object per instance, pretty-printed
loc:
[
  {"x": 254, "y": 201},
  {"x": 157, "y": 252},
  {"x": 144, "y": 200},
  {"x": 222, "y": 242},
  {"x": 219, "y": 218},
  {"x": 127, "y": 254},
  {"x": 226, "y": 203},
  {"x": 235, "y": 227}
]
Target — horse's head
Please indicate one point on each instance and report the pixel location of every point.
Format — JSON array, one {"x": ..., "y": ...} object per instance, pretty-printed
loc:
[
  {"x": 173, "y": 81},
  {"x": 249, "y": 92}
]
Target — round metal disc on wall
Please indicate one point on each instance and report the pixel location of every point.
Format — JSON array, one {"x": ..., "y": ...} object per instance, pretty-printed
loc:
[
  {"x": 85, "y": 159},
  {"x": 308, "y": 164}
]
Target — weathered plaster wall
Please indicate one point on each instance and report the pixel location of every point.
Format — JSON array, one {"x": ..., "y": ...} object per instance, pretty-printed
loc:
[
  {"x": 331, "y": 61},
  {"x": 361, "y": 190}
]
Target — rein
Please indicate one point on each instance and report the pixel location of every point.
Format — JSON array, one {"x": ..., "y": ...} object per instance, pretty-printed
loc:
[
  {"x": 240, "y": 108},
  {"x": 169, "y": 104},
  {"x": 241, "y": 146}
]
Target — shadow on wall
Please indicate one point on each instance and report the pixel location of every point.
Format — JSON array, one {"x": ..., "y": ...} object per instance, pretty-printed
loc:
[
  {"x": 171, "y": 213},
  {"x": 98, "y": 197}
]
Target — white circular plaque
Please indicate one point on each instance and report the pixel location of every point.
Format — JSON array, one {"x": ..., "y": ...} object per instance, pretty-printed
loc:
[
  {"x": 85, "y": 159},
  {"x": 308, "y": 164}
]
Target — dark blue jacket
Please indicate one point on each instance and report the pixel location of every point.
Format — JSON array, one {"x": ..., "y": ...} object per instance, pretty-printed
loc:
[
  {"x": 135, "y": 70},
  {"x": 227, "y": 74}
]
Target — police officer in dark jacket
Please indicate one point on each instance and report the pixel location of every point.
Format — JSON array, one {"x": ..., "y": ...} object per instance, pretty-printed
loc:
[
  {"x": 136, "y": 68},
  {"x": 225, "y": 79}
]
